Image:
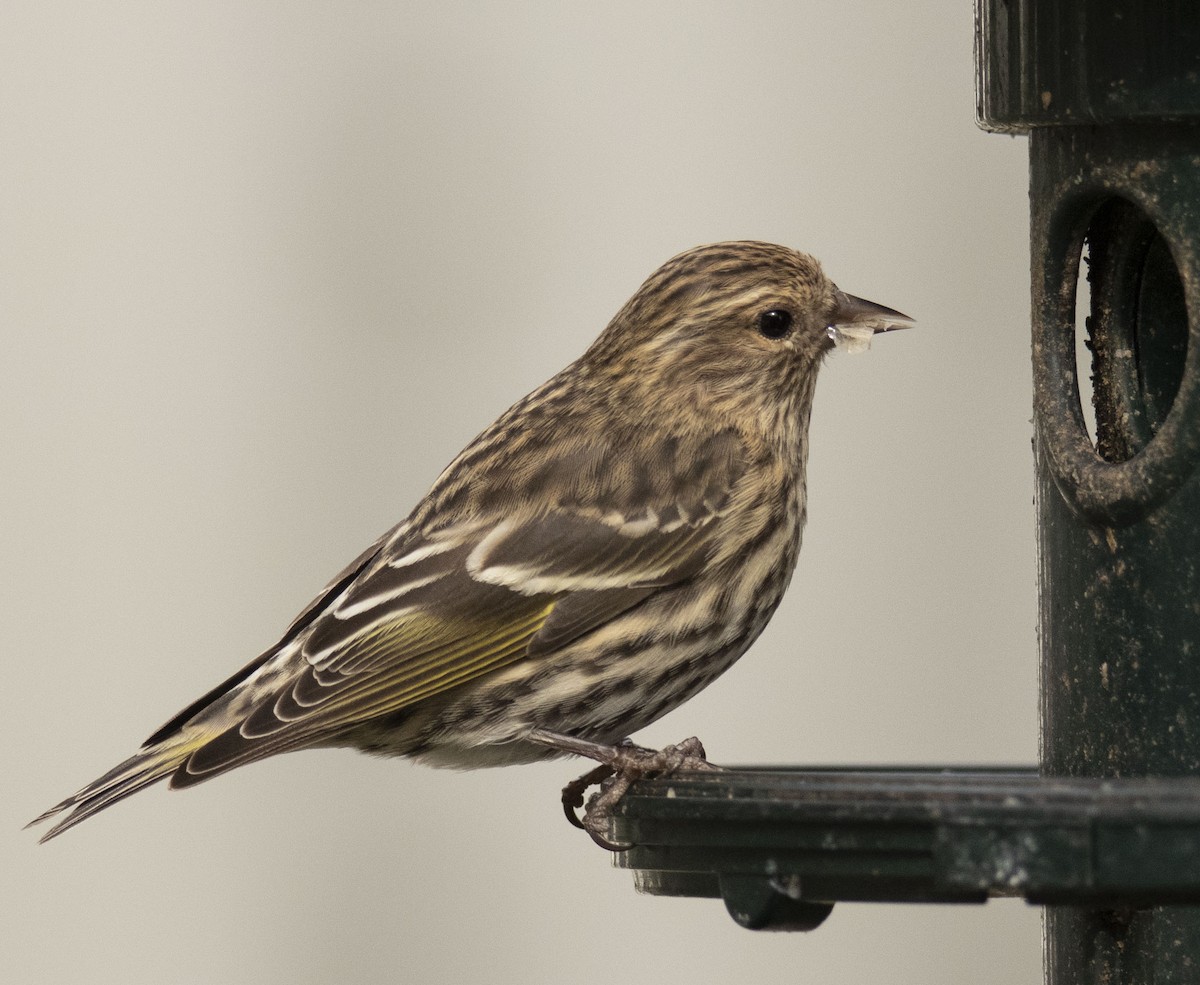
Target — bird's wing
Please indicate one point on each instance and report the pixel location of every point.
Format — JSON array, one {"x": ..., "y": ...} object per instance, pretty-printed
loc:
[
  {"x": 340, "y": 583},
  {"x": 436, "y": 610}
]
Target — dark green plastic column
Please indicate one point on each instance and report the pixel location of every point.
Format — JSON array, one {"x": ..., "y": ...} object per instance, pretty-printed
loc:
[{"x": 1109, "y": 93}]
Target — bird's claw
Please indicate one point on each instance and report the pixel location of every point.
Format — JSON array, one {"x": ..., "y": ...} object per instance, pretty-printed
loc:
[
  {"x": 620, "y": 766},
  {"x": 599, "y": 809},
  {"x": 573, "y": 792}
]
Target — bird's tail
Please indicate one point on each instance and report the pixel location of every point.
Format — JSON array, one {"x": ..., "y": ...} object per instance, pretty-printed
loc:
[{"x": 150, "y": 764}]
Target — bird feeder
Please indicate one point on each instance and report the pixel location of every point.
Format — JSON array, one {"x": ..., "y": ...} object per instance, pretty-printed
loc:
[{"x": 1105, "y": 832}]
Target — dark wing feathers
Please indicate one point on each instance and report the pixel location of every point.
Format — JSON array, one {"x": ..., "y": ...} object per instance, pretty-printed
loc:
[
  {"x": 419, "y": 614},
  {"x": 323, "y": 700},
  {"x": 341, "y": 581},
  {"x": 577, "y": 614},
  {"x": 562, "y": 552}
]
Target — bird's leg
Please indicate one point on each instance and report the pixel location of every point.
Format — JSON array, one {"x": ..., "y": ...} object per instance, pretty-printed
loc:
[{"x": 623, "y": 763}]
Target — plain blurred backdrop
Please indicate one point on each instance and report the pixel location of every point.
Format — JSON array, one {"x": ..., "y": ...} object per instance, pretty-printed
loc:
[{"x": 265, "y": 268}]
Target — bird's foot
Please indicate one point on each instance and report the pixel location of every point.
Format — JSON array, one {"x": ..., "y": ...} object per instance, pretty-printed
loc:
[{"x": 620, "y": 765}]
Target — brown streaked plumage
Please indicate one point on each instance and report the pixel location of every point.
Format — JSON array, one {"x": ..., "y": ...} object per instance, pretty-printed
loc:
[{"x": 606, "y": 548}]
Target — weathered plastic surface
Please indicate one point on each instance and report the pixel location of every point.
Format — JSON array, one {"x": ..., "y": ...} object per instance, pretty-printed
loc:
[
  {"x": 780, "y": 847},
  {"x": 1119, "y": 536},
  {"x": 1110, "y": 95}
]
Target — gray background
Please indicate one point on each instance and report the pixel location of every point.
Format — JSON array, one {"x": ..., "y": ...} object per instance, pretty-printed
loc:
[{"x": 265, "y": 268}]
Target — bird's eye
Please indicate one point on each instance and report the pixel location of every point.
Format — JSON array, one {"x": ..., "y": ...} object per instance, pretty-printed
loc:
[{"x": 774, "y": 324}]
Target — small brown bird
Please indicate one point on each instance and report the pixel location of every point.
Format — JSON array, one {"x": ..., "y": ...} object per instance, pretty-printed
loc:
[{"x": 608, "y": 547}]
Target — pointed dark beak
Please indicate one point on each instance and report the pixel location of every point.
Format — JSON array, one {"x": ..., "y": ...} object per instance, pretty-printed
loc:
[{"x": 867, "y": 314}]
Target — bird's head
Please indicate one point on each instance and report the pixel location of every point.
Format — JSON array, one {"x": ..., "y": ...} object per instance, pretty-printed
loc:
[{"x": 741, "y": 325}]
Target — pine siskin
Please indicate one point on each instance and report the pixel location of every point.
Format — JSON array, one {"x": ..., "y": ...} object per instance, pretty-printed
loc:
[{"x": 609, "y": 546}]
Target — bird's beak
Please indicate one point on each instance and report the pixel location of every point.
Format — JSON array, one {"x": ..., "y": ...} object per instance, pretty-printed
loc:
[{"x": 852, "y": 312}]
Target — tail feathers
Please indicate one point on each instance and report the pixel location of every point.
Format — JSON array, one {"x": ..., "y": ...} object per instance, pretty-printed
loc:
[{"x": 146, "y": 767}]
